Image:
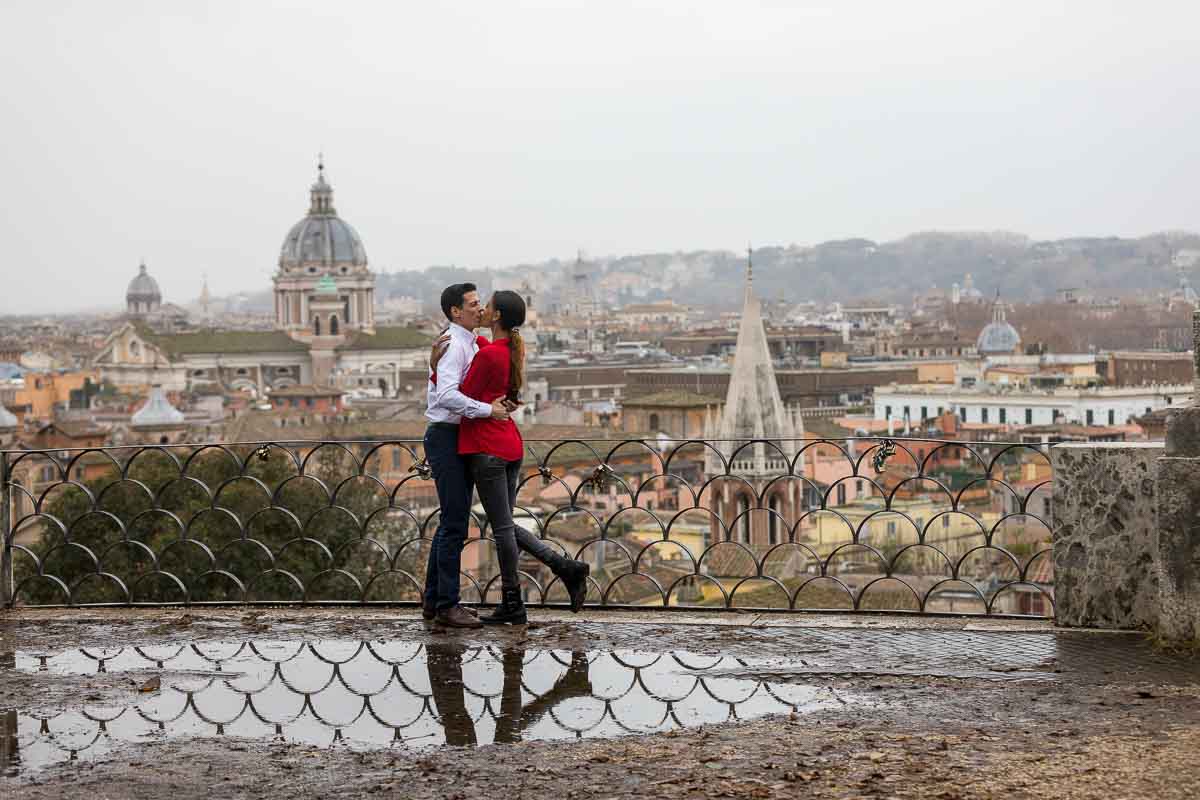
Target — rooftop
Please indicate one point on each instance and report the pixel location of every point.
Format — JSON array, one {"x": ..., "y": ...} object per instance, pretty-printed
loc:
[
  {"x": 304, "y": 390},
  {"x": 227, "y": 342},
  {"x": 673, "y": 398},
  {"x": 388, "y": 338}
]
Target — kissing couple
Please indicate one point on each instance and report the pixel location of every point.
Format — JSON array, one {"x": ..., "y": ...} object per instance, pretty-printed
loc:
[{"x": 473, "y": 444}]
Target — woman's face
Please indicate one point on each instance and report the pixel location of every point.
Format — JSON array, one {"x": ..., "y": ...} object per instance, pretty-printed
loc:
[{"x": 488, "y": 315}]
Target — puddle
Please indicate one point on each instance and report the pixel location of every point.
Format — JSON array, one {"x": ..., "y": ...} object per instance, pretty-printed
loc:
[{"x": 381, "y": 694}]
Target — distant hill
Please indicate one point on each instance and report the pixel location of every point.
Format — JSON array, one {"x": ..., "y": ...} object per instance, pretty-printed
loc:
[{"x": 852, "y": 270}]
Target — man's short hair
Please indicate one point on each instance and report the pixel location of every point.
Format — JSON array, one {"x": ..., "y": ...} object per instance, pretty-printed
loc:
[{"x": 452, "y": 296}]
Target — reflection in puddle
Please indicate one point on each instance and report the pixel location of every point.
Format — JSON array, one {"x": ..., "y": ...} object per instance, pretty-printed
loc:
[{"x": 376, "y": 694}]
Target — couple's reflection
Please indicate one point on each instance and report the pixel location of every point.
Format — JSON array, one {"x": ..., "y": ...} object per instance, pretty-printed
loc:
[{"x": 445, "y": 663}]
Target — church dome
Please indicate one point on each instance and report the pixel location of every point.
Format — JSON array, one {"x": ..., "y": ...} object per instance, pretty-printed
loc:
[
  {"x": 998, "y": 337},
  {"x": 158, "y": 411},
  {"x": 322, "y": 239},
  {"x": 143, "y": 288}
]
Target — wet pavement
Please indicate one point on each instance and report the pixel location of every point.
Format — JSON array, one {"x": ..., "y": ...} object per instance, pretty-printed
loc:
[{"x": 101, "y": 691}]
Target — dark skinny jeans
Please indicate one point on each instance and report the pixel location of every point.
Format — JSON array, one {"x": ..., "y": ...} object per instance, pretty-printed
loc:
[{"x": 496, "y": 482}]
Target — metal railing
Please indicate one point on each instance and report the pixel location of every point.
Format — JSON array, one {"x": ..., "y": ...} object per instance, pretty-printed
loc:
[{"x": 863, "y": 524}]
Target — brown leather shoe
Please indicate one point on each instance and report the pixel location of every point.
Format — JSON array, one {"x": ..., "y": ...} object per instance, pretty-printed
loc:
[
  {"x": 457, "y": 617},
  {"x": 428, "y": 612}
]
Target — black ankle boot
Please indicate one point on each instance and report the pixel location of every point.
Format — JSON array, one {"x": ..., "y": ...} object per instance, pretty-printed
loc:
[
  {"x": 573, "y": 575},
  {"x": 511, "y": 610}
]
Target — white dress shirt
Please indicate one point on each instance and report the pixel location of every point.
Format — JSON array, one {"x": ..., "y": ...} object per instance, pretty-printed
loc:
[{"x": 444, "y": 402}]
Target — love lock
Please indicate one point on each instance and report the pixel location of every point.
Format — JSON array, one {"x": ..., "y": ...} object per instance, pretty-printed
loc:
[
  {"x": 887, "y": 449},
  {"x": 422, "y": 468},
  {"x": 263, "y": 452},
  {"x": 600, "y": 477}
]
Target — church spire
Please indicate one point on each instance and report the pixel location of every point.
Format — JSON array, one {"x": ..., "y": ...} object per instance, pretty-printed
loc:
[
  {"x": 754, "y": 408},
  {"x": 205, "y": 297}
]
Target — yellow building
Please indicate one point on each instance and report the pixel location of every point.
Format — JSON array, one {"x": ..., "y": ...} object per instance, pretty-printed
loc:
[
  {"x": 45, "y": 390},
  {"x": 887, "y": 531}
]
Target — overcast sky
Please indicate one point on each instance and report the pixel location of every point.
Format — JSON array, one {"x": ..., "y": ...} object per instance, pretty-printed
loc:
[{"x": 491, "y": 133}]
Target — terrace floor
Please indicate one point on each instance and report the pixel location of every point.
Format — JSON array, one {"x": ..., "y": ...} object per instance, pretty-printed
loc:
[{"x": 349, "y": 702}]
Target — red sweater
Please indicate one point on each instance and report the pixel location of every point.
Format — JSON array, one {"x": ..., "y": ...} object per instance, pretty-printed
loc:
[{"x": 487, "y": 379}]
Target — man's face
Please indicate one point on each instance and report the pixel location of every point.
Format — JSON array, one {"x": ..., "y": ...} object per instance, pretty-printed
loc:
[{"x": 471, "y": 312}]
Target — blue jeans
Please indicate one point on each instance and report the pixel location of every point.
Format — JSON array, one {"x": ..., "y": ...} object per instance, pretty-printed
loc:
[{"x": 454, "y": 488}]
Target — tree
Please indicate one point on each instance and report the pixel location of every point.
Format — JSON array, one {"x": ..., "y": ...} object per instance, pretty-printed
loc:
[{"x": 216, "y": 524}]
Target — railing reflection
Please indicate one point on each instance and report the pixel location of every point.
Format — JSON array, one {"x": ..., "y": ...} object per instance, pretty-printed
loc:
[{"x": 372, "y": 694}]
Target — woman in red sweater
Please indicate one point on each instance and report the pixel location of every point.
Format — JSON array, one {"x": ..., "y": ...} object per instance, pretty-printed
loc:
[{"x": 493, "y": 450}]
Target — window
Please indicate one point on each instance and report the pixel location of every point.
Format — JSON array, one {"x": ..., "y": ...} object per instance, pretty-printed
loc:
[
  {"x": 907, "y": 413},
  {"x": 1112, "y": 417},
  {"x": 940, "y": 410},
  {"x": 1029, "y": 416},
  {"x": 945, "y": 520},
  {"x": 887, "y": 412},
  {"x": 743, "y": 508},
  {"x": 891, "y": 528},
  {"x": 316, "y": 326},
  {"x": 858, "y": 487},
  {"x": 243, "y": 372},
  {"x": 1091, "y": 417},
  {"x": 333, "y": 325},
  {"x": 841, "y": 494},
  {"x": 1003, "y": 415},
  {"x": 924, "y": 413},
  {"x": 962, "y": 412},
  {"x": 983, "y": 415},
  {"x": 654, "y": 423}
]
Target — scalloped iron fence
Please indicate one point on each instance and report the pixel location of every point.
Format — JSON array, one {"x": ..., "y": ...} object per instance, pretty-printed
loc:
[{"x": 862, "y": 524}]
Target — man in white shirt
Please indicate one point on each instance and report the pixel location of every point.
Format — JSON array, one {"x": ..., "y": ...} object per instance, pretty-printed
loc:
[{"x": 446, "y": 406}]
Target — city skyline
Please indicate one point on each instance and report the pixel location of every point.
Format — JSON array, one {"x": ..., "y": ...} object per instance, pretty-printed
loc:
[{"x": 492, "y": 137}]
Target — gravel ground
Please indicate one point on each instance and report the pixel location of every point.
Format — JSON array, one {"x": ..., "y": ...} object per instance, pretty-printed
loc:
[{"x": 1095, "y": 727}]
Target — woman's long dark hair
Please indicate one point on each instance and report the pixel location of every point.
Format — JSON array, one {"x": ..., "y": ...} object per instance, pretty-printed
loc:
[{"x": 510, "y": 308}]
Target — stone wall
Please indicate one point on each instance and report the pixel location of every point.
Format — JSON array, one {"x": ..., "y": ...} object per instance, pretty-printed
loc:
[
  {"x": 1127, "y": 537},
  {"x": 1105, "y": 537},
  {"x": 1178, "y": 491}
]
